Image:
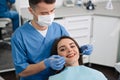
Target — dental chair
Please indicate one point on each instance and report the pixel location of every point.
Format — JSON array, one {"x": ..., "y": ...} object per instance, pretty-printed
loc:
[
  {"x": 117, "y": 67},
  {"x": 3, "y": 24}
]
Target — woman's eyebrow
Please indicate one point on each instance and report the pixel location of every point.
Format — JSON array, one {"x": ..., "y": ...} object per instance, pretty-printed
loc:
[
  {"x": 72, "y": 43},
  {"x": 64, "y": 45},
  {"x": 61, "y": 46}
]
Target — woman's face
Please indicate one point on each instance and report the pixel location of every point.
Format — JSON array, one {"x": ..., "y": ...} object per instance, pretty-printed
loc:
[{"x": 68, "y": 49}]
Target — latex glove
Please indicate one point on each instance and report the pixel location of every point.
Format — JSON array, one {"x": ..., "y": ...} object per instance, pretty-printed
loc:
[
  {"x": 86, "y": 49},
  {"x": 56, "y": 62}
]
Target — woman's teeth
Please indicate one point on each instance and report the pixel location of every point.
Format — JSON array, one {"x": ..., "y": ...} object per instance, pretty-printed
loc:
[{"x": 70, "y": 55}]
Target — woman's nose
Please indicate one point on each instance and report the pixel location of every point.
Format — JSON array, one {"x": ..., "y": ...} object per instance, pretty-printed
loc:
[{"x": 69, "y": 50}]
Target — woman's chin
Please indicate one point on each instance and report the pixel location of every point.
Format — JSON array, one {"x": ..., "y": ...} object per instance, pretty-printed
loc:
[{"x": 72, "y": 63}]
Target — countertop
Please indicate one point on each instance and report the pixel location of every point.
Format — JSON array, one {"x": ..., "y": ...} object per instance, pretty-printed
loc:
[{"x": 100, "y": 9}]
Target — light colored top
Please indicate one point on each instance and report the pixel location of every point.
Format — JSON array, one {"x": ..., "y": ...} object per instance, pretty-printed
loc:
[{"x": 79, "y": 73}]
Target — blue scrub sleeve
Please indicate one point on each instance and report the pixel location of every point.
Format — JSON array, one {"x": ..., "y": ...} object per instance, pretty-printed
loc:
[{"x": 19, "y": 56}]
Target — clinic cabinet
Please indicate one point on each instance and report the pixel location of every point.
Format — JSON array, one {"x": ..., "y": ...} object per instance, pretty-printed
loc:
[
  {"x": 78, "y": 28},
  {"x": 105, "y": 35}
]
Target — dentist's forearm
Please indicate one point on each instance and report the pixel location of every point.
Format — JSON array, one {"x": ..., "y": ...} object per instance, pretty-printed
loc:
[{"x": 33, "y": 69}]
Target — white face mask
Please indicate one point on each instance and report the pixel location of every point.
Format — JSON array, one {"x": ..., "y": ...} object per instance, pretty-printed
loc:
[{"x": 45, "y": 20}]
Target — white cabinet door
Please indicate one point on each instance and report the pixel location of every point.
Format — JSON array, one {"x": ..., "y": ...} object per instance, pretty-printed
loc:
[
  {"x": 105, "y": 40},
  {"x": 79, "y": 28}
]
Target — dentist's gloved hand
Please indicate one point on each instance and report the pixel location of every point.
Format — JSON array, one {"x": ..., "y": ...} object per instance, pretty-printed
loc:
[
  {"x": 86, "y": 49},
  {"x": 56, "y": 62}
]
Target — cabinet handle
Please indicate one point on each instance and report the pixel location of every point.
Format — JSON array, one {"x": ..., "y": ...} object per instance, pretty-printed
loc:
[
  {"x": 83, "y": 20},
  {"x": 83, "y": 36},
  {"x": 77, "y": 28}
]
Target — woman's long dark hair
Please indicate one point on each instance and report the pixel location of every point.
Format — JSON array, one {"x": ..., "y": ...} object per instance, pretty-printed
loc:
[{"x": 55, "y": 44}]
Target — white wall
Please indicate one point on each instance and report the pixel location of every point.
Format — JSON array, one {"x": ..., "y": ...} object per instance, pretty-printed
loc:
[{"x": 24, "y": 3}]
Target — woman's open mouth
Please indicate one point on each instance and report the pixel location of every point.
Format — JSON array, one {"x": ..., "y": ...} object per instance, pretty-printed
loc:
[{"x": 70, "y": 55}]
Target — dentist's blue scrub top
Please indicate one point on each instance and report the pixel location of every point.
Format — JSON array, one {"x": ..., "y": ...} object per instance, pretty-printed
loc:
[
  {"x": 30, "y": 47},
  {"x": 78, "y": 73}
]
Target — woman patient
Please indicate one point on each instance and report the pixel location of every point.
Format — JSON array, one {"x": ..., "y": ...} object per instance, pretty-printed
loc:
[{"x": 74, "y": 69}]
